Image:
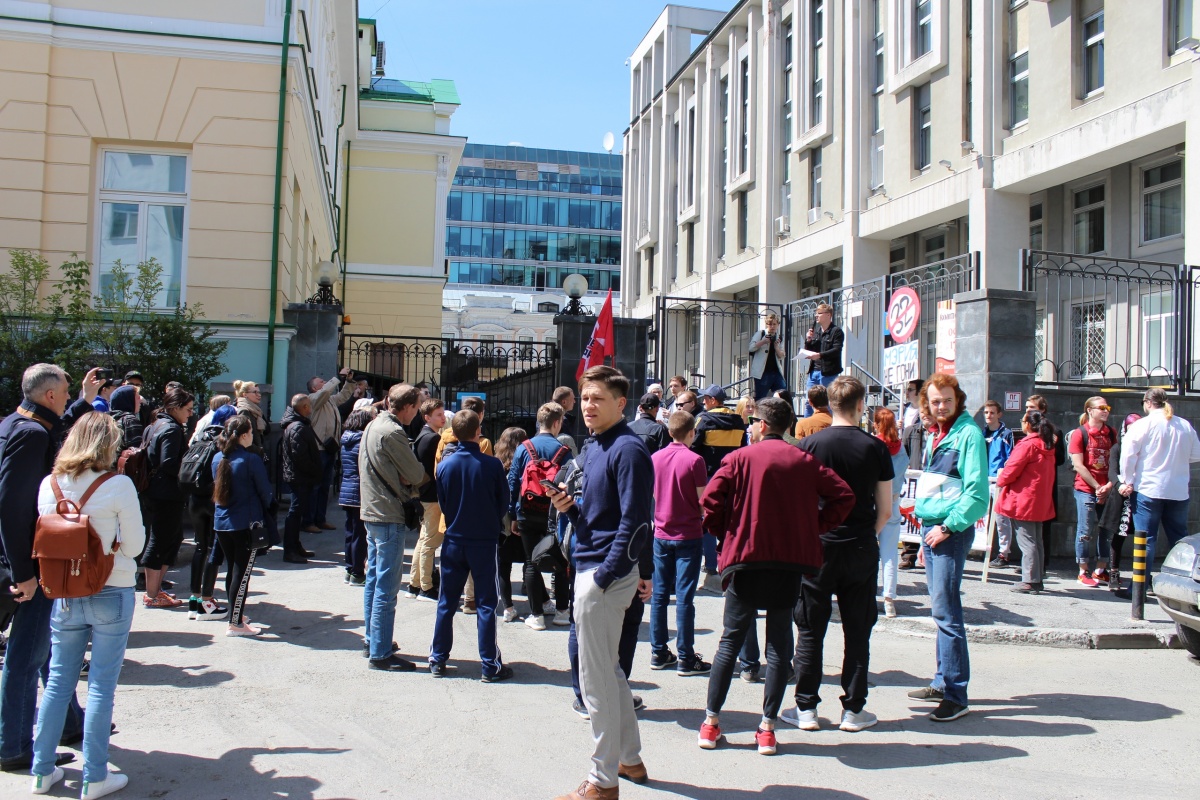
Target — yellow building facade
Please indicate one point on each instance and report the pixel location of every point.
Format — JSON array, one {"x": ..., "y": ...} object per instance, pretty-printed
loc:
[{"x": 220, "y": 137}]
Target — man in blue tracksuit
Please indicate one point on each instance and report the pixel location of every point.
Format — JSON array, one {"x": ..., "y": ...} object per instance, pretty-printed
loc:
[{"x": 473, "y": 495}]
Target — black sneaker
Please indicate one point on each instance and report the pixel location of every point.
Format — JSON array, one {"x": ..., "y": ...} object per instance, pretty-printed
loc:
[
  {"x": 85, "y": 670},
  {"x": 750, "y": 674},
  {"x": 356, "y": 580},
  {"x": 638, "y": 703},
  {"x": 504, "y": 674},
  {"x": 412, "y": 591},
  {"x": 927, "y": 693},
  {"x": 428, "y": 596},
  {"x": 999, "y": 562},
  {"x": 663, "y": 660},
  {"x": 367, "y": 648},
  {"x": 437, "y": 669},
  {"x": 693, "y": 666},
  {"x": 393, "y": 663},
  {"x": 579, "y": 708},
  {"x": 948, "y": 711}
]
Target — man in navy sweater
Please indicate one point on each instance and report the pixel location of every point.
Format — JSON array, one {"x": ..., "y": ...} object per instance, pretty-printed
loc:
[
  {"x": 473, "y": 495},
  {"x": 29, "y": 441},
  {"x": 613, "y": 524}
]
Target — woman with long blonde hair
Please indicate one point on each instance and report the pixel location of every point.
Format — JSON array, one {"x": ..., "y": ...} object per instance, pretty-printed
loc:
[
  {"x": 81, "y": 473},
  {"x": 248, "y": 399}
]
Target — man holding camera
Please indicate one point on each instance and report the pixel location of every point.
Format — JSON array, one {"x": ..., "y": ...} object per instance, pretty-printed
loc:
[{"x": 325, "y": 397}]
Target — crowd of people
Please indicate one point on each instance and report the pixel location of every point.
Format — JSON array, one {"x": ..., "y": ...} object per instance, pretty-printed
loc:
[{"x": 682, "y": 497}]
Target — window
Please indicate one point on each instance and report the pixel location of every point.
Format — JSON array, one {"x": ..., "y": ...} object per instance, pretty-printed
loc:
[
  {"x": 1162, "y": 201},
  {"x": 897, "y": 259},
  {"x": 691, "y": 156},
  {"x": 1093, "y": 54},
  {"x": 922, "y": 127},
  {"x": 878, "y": 79},
  {"x": 1158, "y": 332},
  {"x": 1089, "y": 220},
  {"x": 817, "y": 90},
  {"x": 689, "y": 252},
  {"x": 743, "y": 223},
  {"x": 922, "y": 28},
  {"x": 934, "y": 248},
  {"x": 724, "y": 133},
  {"x": 1087, "y": 339},
  {"x": 1035, "y": 227},
  {"x": 786, "y": 115},
  {"x": 526, "y": 347},
  {"x": 1018, "y": 89},
  {"x": 548, "y": 308},
  {"x": 814, "y": 182},
  {"x": 785, "y": 193},
  {"x": 1181, "y": 24},
  {"x": 143, "y": 205},
  {"x": 649, "y": 270},
  {"x": 744, "y": 122}
]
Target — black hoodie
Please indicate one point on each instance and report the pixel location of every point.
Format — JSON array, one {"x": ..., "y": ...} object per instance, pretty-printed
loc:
[{"x": 301, "y": 450}]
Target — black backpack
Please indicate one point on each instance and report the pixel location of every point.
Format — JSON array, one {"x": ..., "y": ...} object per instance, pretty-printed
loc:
[{"x": 195, "y": 472}]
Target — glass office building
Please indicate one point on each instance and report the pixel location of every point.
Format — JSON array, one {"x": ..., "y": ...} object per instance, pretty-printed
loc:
[{"x": 527, "y": 217}]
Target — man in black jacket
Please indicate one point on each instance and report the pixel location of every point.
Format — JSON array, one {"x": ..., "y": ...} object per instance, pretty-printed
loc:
[
  {"x": 825, "y": 341},
  {"x": 647, "y": 426},
  {"x": 29, "y": 441},
  {"x": 301, "y": 471}
]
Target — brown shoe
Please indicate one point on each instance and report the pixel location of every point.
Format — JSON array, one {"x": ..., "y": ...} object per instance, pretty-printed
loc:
[
  {"x": 325, "y": 526},
  {"x": 590, "y": 791},
  {"x": 311, "y": 529},
  {"x": 633, "y": 772}
]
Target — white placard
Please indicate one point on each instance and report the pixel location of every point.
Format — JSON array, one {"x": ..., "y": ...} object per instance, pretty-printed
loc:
[{"x": 901, "y": 363}]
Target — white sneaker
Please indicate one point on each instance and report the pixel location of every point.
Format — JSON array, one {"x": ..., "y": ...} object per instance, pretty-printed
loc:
[
  {"x": 889, "y": 608},
  {"x": 510, "y": 615},
  {"x": 536, "y": 621},
  {"x": 548, "y": 608},
  {"x": 42, "y": 783},
  {"x": 562, "y": 618},
  {"x": 804, "y": 720},
  {"x": 115, "y": 782},
  {"x": 853, "y": 722}
]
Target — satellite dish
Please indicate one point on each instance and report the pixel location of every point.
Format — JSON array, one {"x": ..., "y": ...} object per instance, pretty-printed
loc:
[{"x": 609, "y": 140}]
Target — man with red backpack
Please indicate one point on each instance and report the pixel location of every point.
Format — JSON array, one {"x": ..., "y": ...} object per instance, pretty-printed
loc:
[{"x": 539, "y": 459}]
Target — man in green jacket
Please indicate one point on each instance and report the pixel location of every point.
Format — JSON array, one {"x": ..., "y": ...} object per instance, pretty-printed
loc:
[
  {"x": 389, "y": 474},
  {"x": 952, "y": 494}
]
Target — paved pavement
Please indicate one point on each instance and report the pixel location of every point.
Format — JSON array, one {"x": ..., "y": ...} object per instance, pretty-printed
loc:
[{"x": 297, "y": 714}]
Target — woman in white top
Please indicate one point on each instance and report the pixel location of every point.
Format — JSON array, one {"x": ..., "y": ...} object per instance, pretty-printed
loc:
[{"x": 103, "y": 618}]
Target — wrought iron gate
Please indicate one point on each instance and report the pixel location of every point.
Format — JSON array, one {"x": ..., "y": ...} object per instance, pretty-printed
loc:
[{"x": 708, "y": 341}]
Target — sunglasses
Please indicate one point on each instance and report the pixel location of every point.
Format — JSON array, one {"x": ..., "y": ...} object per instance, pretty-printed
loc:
[
  {"x": 755, "y": 419},
  {"x": 1101, "y": 408}
]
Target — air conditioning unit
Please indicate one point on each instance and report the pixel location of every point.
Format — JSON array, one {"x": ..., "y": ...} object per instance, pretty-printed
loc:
[
  {"x": 814, "y": 214},
  {"x": 783, "y": 226}
]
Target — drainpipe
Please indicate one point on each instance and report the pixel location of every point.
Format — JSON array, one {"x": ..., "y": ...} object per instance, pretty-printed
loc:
[
  {"x": 283, "y": 91},
  {"x": 346, "y": 249},
  {"x": 337, "y": 151}
]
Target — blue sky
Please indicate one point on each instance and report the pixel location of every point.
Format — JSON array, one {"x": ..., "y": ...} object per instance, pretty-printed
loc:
[{"x": 545, "y": 73}]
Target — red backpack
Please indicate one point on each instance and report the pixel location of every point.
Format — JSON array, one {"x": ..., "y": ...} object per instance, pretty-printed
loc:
[
  {"x": 534, "y": 499},
  {"x": 71, "y": 557}
]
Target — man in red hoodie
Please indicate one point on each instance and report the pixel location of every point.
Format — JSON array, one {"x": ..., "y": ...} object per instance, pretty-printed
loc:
[{"x": 766, "y": 548}]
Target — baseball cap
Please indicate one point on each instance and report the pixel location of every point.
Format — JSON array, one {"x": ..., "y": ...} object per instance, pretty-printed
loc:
[
  {"x": 715, "y": 392},
  {"x": 649, "y": 400}
]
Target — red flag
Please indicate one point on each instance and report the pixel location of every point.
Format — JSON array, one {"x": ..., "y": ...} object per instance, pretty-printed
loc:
[{"x": 602, "y": 343}]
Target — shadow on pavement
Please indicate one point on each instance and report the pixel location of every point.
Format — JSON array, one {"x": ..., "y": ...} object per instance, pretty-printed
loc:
[
  {"x": 892, "y": 755},
  {"x": 137, "y": 674},
  {"x": 318, "y": 630},
  {"x": 773, "y": 792},
  {"x": 987, "y": 723},
  {"x": 988, "y": 613},
  {"x": 187, "y": 641},
  {"x": 526, "y": 672},
  {"x": 1090, "y": 707},
  {"x": 164, "y": 774}
]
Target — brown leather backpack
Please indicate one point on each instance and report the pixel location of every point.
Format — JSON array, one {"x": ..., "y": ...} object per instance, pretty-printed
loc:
[{"x": 71, "y": 557}]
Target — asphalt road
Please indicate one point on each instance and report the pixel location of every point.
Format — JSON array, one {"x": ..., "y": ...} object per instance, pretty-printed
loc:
[{"x": 297, "y": 714}]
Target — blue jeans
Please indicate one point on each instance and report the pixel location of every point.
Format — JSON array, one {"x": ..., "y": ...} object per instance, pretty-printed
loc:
[
  {"x": 26, "y": 658},
  {"x": 1085, "y": 530},
  {"x": 676, "y": 570},
  {"x": 710, "y": 553},
  {"x": 943, "y": 574},
  {"x": 889, "y": 553},
  {"x": 767, "y": 385},
  {"x": 1148, "y": 513},
  {"x": 815, "y": 378},
  {"x": 461, "y": 559},
  {"x": 105, "y": 619},
  {"x": 385, "y": 566}
]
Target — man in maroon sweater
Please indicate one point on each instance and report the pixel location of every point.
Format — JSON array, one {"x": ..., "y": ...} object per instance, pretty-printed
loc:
[{"x": 761, "y": 564}]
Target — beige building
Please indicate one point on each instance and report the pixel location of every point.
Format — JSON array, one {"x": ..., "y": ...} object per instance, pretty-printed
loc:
[
  {"x": 242, "y": 143},
  {"x": 807, "y": 145}
]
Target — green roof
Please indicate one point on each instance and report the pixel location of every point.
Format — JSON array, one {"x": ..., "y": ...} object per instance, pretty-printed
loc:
[
  {"x": 365, "y": 21},
  {"x": 437, "y": 90}
]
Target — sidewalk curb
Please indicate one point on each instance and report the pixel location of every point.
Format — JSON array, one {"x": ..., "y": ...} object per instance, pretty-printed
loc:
[{"x": 1118, "y": 639}]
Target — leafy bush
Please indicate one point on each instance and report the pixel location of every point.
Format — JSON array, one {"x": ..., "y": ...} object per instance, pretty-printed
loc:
[{"x": 119, "y": 328}]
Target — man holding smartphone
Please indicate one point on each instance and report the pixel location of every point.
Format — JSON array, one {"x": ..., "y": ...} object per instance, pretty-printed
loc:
[
  {"x": 613, "y": 524},
  {"x": 767, "y": 358}
]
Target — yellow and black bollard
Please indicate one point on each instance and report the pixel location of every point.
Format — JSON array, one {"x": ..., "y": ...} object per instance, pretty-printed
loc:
[{"x": 1140, "y": 571}]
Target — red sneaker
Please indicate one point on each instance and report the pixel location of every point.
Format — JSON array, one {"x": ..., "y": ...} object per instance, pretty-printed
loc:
[
  {"x": 1100, "y": 576},
  {"x": 1087, "y": 580},
  {"x": 709, "y": 736},
  {"x": 765, "y": 741}
]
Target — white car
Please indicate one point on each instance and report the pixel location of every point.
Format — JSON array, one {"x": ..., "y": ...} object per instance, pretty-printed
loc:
[{"x": 1178, "y": 589}]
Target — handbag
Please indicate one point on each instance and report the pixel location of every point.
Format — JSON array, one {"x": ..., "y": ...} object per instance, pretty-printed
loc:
[
  {"x": 258, "y": 536},
  {"x": 547, "y": 554}
]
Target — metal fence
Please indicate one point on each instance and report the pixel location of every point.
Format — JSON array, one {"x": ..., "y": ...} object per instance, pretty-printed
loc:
[
  {"x": 860, "y": 309},
  {"x": 708, "y": 341},
  {"x": 1109, "y": 322},
  {"x": 514, "y": 378}
]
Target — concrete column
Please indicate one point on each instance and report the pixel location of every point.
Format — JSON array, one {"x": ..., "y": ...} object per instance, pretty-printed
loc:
[
  {"x": 574, "y": 333},
  {"x": 862, "y": 259},
  {"x": 1191, "y": 188},
  {"x": 999, "y": 228},
  {"x": 994, "y": 344},
  {"x": 314, "y": 351}
]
